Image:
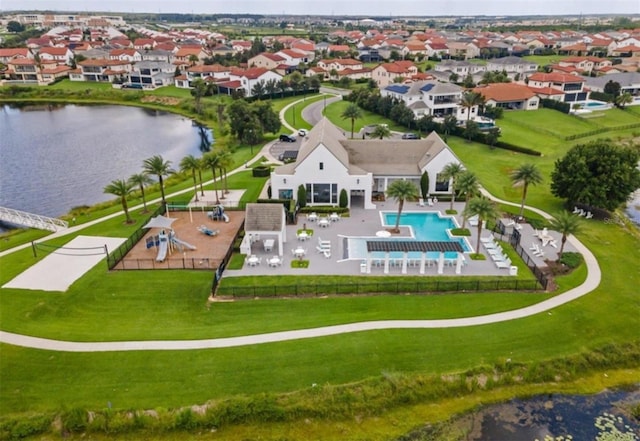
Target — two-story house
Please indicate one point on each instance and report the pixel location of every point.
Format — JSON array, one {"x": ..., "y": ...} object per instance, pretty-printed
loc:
[
  {"x": 511, "y": 65},
  {"x": 59, "y": 55},
  {"x": 101, "y": 70},
  {"x": 130, "y": 55},
  {"x": 246, "y": 80},
  {"x": 152, "y": 74},
  {"x": 386, "y": 73},
  {"x": 572, "y": 87},
  {"x": 430, "y": 98},
  {"x": 266, "y": 60}
]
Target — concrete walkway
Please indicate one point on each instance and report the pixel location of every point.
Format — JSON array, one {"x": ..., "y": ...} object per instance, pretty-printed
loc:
[{"x": 592, "y": 281}]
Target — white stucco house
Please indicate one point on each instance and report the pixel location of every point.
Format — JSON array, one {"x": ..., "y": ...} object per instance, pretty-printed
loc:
[
  {"x": 430, "y": 97},
  {"x": 328, "y": 163}
]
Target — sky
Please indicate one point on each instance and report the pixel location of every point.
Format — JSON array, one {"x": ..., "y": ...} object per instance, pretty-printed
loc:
[{"x": 337, "y": 7}]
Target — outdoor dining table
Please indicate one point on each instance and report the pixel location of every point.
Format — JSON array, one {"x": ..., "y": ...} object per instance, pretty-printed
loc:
[
  {"x": 312, "y": 217},
  {"x": 253, "y": 260},
  {"x": 299, "y": 252},
  {"x": 275, "y": 261},
  {"x": 303, "y": 235},
  {"x": 324, "y": 223},
  {"x": 334, "y": 217}
]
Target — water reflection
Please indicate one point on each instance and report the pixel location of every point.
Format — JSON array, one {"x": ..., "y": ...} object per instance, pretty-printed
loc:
[{"x": 51, "y": 161}]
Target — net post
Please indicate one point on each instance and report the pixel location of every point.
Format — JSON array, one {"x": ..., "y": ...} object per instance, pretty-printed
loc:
[{"x": 33, "y": 248}]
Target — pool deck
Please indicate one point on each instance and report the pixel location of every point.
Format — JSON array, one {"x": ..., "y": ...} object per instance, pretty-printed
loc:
[{"x": 365, "y": 223}]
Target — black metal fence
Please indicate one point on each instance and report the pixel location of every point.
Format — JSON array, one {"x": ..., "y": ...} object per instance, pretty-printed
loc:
[
  {"x": 421, "y": 285},
  {"x": 115, "y": 256},
  {"x": 169, "y": 263},
  {"x": 514, "y": 240}
]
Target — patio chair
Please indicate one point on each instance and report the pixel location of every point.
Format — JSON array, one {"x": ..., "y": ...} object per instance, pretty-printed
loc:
[
  {"x": 589, "y": 215},
  {"x": 576, "y": 210},
  {"x": 553, "y": 243},
  {"x": 504, "y": 264},
  {"x": 420, "y": 202},
  {"x": 430, "y": 202},
  {"x": 487, "y": 239}
]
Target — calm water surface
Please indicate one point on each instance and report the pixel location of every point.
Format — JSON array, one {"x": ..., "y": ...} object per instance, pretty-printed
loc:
[{"x": 54, "y": 159}]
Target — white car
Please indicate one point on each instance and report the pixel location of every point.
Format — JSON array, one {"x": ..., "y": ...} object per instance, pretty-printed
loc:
[{"x": 303, "y": 132}]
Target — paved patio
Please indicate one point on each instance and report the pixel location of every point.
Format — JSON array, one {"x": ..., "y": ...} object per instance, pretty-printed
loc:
[{"x": 366, "y": 223}]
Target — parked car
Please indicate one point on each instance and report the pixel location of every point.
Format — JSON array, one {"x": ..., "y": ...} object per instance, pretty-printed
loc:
[
  {"x": 410, "y": 136},
  {"x": 287, "y": 138},
  {"x": 303, "y": 132}
]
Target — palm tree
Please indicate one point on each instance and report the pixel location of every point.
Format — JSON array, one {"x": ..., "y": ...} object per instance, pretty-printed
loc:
[
  {"x": 449, "y": 125},
  {"x": 485, "y": 210},
  {"x": 623, "y": 99},
  {"x": 258, "y": 89},
  {"x": 122, "y": 189},
  {"x": 401, "y": 191},
  {"x": 226, "y": 161},
  {"x": 452, "y": 171},
  {"x": 381, "y": 131},
  {"x": 271, "y": 86},
  {"x": 523, "y": 176},
  {"x": 141, "y": 180},
  {"x": 211, "y": 160},
  {"x": 191, "y": 164},
  {"x": 469, "y": 100},
  {"x": 468, "y": 185},
  {"x": 565, "y": 223},
  {"x": 352, "y": 112},
  {"x": 160, "y": 168}
]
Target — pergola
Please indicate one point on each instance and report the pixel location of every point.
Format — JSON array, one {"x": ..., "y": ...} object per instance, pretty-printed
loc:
[
  {"x": 407, "y": 246},
  {"x": 264, "y": 220}
]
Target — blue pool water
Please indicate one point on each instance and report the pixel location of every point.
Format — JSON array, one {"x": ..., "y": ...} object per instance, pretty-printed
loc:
[
  {"x": 425, "y": 226},
  {"x": 595, "y": 104}
]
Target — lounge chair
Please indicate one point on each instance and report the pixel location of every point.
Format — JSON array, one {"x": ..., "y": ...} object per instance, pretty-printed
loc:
[
  {"x": 487, "y": 239},
  {"x": 589, "y": 215},
  {"x": 321, "y": 249},
  {"x": 420, "y": 202},
  {"x": 499, "y": 257},
  {"x": 553, "y": 243},
  {"x": 504, "y": 264},
  {"x": 491, "y": 245},
  {"x": 430, "y": 202},
  {"x": 576, "y": 210},
  {"x": 327, "y": 253},
  {"x": 582, "y": 212}
]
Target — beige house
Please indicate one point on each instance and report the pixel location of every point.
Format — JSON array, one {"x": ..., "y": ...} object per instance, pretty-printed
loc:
[{"x": 386, "y": 73}]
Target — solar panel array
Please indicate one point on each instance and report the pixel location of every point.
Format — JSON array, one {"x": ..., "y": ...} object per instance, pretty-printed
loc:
[{"x": 412, "y": 245}]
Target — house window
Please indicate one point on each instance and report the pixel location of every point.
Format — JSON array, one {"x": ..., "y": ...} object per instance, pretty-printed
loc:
[
  {"x": 441, "y": 183},
  {"x": 321, "y": 166},
  {"x": 285, "y": 194},
  {"x": 322, "y": 193}
]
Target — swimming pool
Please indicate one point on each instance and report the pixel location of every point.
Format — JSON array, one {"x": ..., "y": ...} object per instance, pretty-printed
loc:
[
  {"x": 424, "y": 226},
  {"x": 596, "y": 105}
]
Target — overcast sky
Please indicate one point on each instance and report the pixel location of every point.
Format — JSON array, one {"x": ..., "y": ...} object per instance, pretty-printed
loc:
[{"x": 338, "y": 7}]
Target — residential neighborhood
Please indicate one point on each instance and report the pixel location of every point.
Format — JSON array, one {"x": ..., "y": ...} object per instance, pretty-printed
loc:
[{"x": 320, "y": 221}]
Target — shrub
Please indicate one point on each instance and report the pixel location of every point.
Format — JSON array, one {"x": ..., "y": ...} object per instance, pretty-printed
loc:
[
  {"x": 572, "y": 260},
  {"x": 75, "y": 420},
  {"x": 344, "y": 199},
  {"x": 461, "y": 232},
  {"x": 556, "y": 105},
  {"x": 261, "y": 171},
  {"x": 302, "y": 196}
]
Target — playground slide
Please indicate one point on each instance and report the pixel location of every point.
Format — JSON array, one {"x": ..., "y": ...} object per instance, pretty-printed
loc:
[
  {"x": 179, "y": 242},
  {"x": 225, "y": 217},
  {"x": 162, "y": 250}
]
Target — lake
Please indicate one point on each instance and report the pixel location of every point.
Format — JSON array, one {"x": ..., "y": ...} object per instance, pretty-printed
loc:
[{"x": 54, "y": 158}]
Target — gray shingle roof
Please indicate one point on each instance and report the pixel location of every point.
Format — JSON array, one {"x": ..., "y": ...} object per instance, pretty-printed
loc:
[{"x": 264, "y": 217}]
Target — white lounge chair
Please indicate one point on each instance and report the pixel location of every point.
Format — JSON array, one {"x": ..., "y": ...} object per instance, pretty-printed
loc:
[
  {"x": 420, "y": 202},
  {"x": 576, "y": 210},
  {"x": 499, "y": 257},
  {"x": 430, "y": 202},
  {"x": 473, "y": 221},
  {"x": 589, "y": 215},
  {"x": 327, "y": 254},
  {"x": 553, "y": 243},
  {"x": 582, "y": 212},
  {"x": 491, "y": 245},
  {"x": 495, "y": 251},
  {"x": 487, "y": 239},
  {"x": 504, "y": 264},
  {"x": 323, "y": 249}
]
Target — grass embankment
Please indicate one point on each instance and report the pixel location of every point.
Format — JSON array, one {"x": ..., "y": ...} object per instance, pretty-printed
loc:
[{"x": 386, "y": 405}]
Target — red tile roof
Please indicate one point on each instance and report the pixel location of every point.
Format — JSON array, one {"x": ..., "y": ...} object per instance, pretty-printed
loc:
[
  {"x": 504, "y": 92},
  {"x": 556, "y": 78}
]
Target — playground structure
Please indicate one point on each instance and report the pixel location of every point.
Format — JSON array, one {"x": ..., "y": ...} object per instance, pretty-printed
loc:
[
  {"x": 208, "y": 231},
  {"x": 167, "y": 243},
  {"x": 218, "y": 214}
]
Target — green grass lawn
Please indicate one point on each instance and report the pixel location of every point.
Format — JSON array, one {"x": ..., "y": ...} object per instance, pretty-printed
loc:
[
  {"x": 293, "y": 115},
  {"x": 334, "y": 111},
  {"x": 80, "y": 85},
  {"x": 611, "y": 118},
  {"x": 544, "y": 60},
  {"x": 172, "y": 304}
]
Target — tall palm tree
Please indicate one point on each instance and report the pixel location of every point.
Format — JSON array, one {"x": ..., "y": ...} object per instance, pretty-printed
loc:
[
  {"x": 352, "y": 112},
  {"x": 191, "y": 164},
  {"x": 157, "y": 166},
  {"x": 469, "y": 100},
  {"x": 122, "y": 189},
  {"x": 452, "y": 171},
  {"x": 623, "y": 99},
  {"x": 469, "y": 186},
  {"x": 211, "y": 160},
  {"x": 523, "y": 176},
  {"x": 565, "y": 223},
  {"x": 485, "y": 210},
  {"x": 271, "y": 86},
  {"x": 141, "y": 180},
  {"x": 225, "y": 161},
  {"x": 258, "y": 89},
  {"x": 449, "y": 125},
  {"x": 381, "y": 131},
  {"x": 401, "y": 191}
]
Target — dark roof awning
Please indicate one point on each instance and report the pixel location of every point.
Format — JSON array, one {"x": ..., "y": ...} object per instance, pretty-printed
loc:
[{"x": 412, "y": 245}]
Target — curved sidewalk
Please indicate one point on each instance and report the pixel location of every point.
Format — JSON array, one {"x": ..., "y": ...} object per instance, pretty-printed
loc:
[{"x": 591, "y": 282}]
